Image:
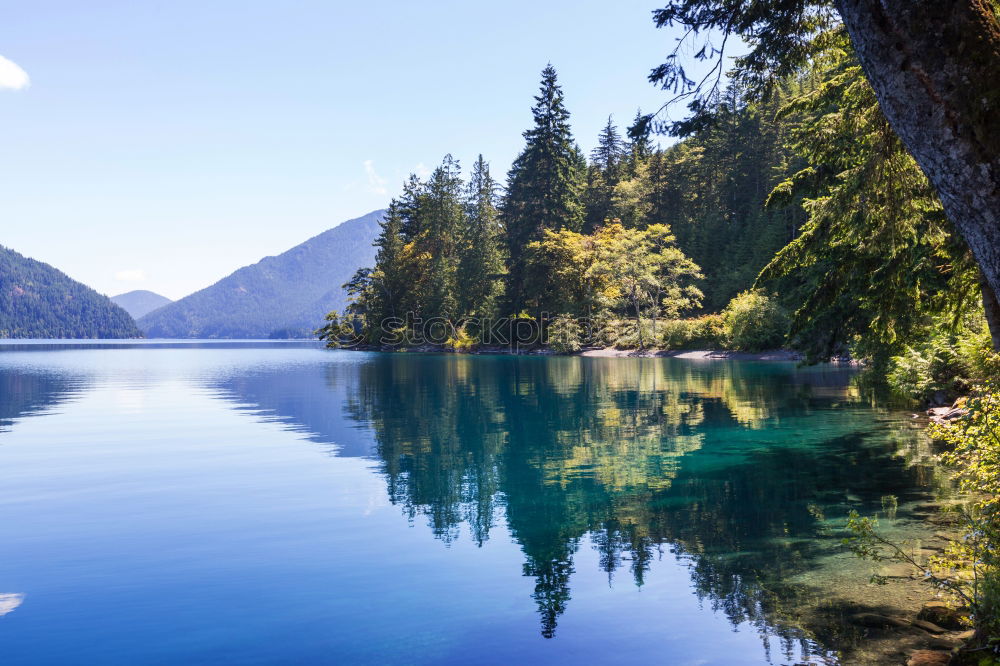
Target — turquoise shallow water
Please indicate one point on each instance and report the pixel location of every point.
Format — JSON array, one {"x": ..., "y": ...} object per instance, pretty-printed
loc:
[{"x": 206, "y": 503}]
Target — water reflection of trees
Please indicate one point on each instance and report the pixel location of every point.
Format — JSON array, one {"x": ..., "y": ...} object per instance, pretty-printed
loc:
[
  {"x": 25, "y": 392},
  {"x": 638, "y": 457}
]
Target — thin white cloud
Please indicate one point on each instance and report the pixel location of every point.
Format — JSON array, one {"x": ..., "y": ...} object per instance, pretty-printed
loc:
[
  {"x": 422, "y": 171},
  {"x": 12, "y": 76},
  {"x": 130, "y": 275},
  {"x": 376, "y": 183}
]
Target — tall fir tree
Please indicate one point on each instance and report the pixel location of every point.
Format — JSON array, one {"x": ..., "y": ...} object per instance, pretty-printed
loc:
[
  {"x": 408, "y": 206},
  {"x": 610, "y": 150},
  {"x": 481, "y": 266},
  {"x": 389, "y": 276},
  {"x": 639, "y": 147},
  {"x": 442, "y": 221},
  {"x": 544, "y": 186},
  {"x": 604, "y": 173}
]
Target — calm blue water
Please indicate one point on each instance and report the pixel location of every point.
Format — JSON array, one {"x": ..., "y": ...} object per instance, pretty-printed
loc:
[{"x": 279, "y": 503}]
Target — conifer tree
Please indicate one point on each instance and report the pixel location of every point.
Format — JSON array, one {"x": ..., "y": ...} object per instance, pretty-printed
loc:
[
  {"x": 408, "y": 206},
  {"x": 544, "y": 184},
  {"x": 481, "y": 266},
  {"x": 442, "y": 221},
  {"x": 610, "y": 150},
  {"x": 603, "y": 175},
  {"x": 388, "y": 278},
  {"x": 639, "y": 147}
]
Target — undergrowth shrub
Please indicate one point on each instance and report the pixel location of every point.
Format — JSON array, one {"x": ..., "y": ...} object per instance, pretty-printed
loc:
[
  {"x": 945, "y": 362},
  {"x": 974, "y": 452},
  {"x": 705, "y": 332},
  {"x": 461, "y": 340},
  {"x": 564, "y": 334},
  {"x": 754, "y": 321},
  {"x": 627, "y": 336}
]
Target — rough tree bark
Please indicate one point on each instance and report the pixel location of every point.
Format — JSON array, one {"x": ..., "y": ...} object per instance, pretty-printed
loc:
[
  {"x": 992, "y": 308},
  {"x": 935, "y": 68}
]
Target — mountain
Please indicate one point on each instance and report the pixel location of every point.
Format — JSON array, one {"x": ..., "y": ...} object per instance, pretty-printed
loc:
[
  {"x": 140, "y": 302},
  {"x": 282, "y": 296},
  {"x": 38, "y": 301}
]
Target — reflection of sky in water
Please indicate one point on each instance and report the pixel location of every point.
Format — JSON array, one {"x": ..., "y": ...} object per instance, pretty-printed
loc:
[{"x": 165, "y": 504}]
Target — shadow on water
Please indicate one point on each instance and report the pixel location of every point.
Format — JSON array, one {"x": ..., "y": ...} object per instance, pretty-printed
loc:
[{"x": 741, "y": 471}]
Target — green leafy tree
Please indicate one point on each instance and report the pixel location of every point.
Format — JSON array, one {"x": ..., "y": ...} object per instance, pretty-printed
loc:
[
  {"x": 560, "y": 262},
  {"x": 754, "y": 321},
  {"x": 643, "y": 270},
  {"x": 339, "y": 330},
  {"x": 610, "y": 151},
  {"x": 711, "y": 188}
]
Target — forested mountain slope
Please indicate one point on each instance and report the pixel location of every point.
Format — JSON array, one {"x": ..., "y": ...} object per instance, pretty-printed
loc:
[
  {"x": 282, "y": 296},
  {"x": 39, "y": 301}
]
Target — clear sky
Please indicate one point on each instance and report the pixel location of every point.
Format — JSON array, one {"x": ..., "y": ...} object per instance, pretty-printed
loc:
[{"x": 161, "y": 144}]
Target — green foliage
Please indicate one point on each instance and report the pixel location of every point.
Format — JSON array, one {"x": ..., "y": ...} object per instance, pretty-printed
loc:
[
  {"x": 642, "y": 269},
  {"x": 631, "y": 264},
  {"x": 754, "y": 321},
  {"x": 339, "y": 330},
  {"x": 877, "y": 255},
  {"x": 711, "y": 188},
  {"x": 705, "y": 332},
  {"x": 564, "y": 334},
  {"x": 603, "y": 175},
  {"x": 630, "y": 334},
  {"x": 782, "y": 35},
  {"x": 437, "y": 252},
  {"x": 461, "y": 341},
  {"x": 974, "y": 442},
  {"x": 38, "y": 301},
  {"x": 560, "y": 263},
  {"x": 814, "y": 164},
  {"x": 628, "y": 272},
  {"x": 481, "y": 265},
  {"x": 945, "y": 362}
]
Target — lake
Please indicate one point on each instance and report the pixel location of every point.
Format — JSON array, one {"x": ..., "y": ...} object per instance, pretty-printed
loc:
[{"x": 224, "y": 502}]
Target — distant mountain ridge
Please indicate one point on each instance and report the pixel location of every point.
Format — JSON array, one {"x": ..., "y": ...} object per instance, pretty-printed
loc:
[
  {"x": 140, "y": 302},
  {"x": 39, "y": 301},
  {"x": 281, "y": 296}
]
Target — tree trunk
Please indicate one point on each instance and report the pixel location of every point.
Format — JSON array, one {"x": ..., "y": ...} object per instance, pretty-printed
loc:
[
  {"x": 935, "y": 68},
  {"x": 992, "y": 308},
  {"x": 638, "y": 322}
]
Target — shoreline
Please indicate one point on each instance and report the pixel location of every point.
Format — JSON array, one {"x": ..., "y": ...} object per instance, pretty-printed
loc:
[
  {"x": 693, "y": 354},
  {"x": 783, "y": 355}
]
